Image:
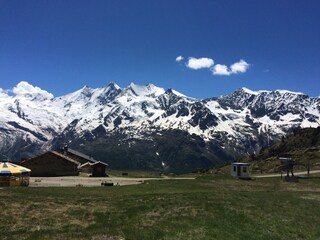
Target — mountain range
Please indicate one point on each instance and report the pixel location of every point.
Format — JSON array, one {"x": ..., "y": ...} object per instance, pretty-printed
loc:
[{"x": 148, "y": 127}]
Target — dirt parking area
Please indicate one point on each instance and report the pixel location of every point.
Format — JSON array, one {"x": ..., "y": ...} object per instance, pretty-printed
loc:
[{"x": 72, "y": 181}]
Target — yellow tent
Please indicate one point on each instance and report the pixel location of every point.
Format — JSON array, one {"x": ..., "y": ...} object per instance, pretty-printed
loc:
[{"x": 13, "y": 175}]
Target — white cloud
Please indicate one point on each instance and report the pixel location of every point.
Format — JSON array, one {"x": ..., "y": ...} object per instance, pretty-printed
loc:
[
  {"x": 239, "y": 67},
  {"x": 3, "y": 93},
  {"x": 24, "y": 88},
  {"x": 219, "y": 69},
  {"x": 198, "y": 63},
  {"x": 179, "y": 58},
  {"x": 236, "y": 68}
]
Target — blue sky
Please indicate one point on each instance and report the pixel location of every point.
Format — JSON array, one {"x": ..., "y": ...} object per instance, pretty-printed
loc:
[{"x": 62, "y": 45}]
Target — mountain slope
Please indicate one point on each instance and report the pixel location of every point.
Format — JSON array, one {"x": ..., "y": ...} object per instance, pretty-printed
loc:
[
  {"x": 300, "y": 140},
  {"x": 303, "y": 145},
  {"x": 33, "y": 120}
]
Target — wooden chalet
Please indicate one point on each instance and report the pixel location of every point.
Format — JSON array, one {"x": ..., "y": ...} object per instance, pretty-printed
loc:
[
  {"x": 63, "y": 162},
  {"x": 51, "y": 164}
]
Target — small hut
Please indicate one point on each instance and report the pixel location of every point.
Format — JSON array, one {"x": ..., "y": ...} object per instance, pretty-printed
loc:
[
  {"x": 240, "y": 170},
  {"x": 96, "y": 169},
  {"x": 13, "y": 175}
]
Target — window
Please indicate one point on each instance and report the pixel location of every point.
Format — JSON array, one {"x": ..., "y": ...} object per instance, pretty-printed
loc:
[
  {"x": 244, "y": 169},
  {"x": 234, "y": 168}
]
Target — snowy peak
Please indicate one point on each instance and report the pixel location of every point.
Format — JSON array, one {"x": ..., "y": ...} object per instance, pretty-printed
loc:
[
  {"x": 286, "y": 92},
  {"x": 245, "y": 97},
  {"x": 81, "y": 95},
  {"x": 26, "y": 90},
  {"x": 170, "y": 97},
  {"x": 113, "y": 86},
  {"x": 86, "y": 92},
  {"x": 94, "y": 95},
  {"x": 238, "y": 99},
  {"x": 148, "y": 90},
  {"x": 247, "y": 90},
  {"x": 278, "y": 91},
  {"x": 174, "y": 92},
  {"x": 154, "y": 90},
  {"x": 106, "y": 94}
]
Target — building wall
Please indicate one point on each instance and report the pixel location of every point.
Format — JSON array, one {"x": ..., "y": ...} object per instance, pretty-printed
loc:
[
  {"x": 245, "y": 173},
  {"x": 86, "y": 169},
  {"x": 49, "y": 164},
  {"x": 233, "y": 170},
  {"x": 99, "y": 170}
]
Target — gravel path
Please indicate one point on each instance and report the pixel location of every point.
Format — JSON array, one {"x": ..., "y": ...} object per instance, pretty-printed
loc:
[
  {"x": 72, "y": 181},
  {"x": 284, "y": 174}
]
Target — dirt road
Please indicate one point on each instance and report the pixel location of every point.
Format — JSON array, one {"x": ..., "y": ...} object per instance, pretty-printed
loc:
[
  {"x": 284, "y": 174},
  {"x": 72, "y": 181}
]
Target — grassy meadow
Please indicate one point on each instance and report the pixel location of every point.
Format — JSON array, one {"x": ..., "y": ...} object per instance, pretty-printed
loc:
[{"x": 209, "y": 207}]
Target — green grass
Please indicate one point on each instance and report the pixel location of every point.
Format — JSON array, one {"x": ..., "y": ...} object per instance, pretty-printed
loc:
[{"x": 210, "y": 207}]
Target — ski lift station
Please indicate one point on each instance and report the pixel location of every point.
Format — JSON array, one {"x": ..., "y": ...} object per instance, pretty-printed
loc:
[{"x": 240, "y": 170}]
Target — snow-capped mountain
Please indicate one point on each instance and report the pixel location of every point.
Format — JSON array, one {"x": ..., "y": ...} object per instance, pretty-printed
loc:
[{"x": 33, "y": 120}]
